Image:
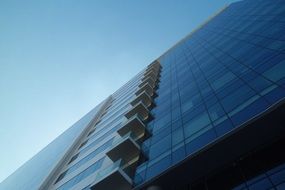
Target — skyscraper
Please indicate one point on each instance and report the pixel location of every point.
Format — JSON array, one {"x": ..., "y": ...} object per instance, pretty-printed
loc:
[{"x": 207, "y": 114}]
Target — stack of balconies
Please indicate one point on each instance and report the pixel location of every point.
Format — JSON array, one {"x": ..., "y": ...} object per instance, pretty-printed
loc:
[{"x": 126, "y": 151}]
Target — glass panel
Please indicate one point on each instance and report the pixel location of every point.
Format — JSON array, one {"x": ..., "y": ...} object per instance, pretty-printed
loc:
[{"x": 196, "y": 124}]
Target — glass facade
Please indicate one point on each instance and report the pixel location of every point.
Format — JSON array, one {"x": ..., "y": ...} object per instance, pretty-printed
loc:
[{"x": 224, "y": 75}]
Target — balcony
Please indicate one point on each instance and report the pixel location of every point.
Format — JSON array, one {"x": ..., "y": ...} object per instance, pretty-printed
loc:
[
  {"x": 124, "y": 148},
  {"x": 152, "y": 76},
  {"x": 155, "y": 69},
  {"x": 112, "y": 174},
  {"x": 140, "y": 109},
  {"x": 144, "y": 98},
  {"x": 151, "y": 72},
  {"x": 146, "y": 88},
  {"x": 149, "y": 80},
  {"x": 155, "y": 64},
  {"x": 135, "y": 126}
]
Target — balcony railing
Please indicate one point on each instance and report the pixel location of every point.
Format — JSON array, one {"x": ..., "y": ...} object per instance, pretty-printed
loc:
[
  {"x": 147, "y": 88},
  {"x": 148, "y": 70},
  {"x": 125, "y": 148},
  {"x": 135, "y": 126},
  {"x": 141, "y": 109},
  {"x": 154, "y": 65},
  {"x": 150, "y": 81},
  {"x": 152, "y": 70},
  {"x": 110, "y": 175},
  {"x": 151, "y": 76},
  {"x": 153, "y": 73},
  {"x": 144, "y": 97}
]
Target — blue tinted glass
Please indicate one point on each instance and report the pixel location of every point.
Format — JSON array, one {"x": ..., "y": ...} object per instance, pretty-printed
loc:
[
  {"x": 177, "y": 136},
  {"x": 261, "y": 184},
  {"x": 196, "y": 124},
  {"x": 239, "y": 97},
  {"x": 222, "y": 127},
  {"x": 200, "y": 141},
  {"x": 159, "y": 167},
  {"x": 160, "y": 147},
  {"x": 278, "y": 177},
  {"x": 227, "y": 72},
  {"x": 249, "y": 109},
  {"x": 178, "y": 154}
]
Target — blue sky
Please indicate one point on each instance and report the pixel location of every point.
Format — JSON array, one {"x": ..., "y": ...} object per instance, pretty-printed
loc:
[{"x": 60, "y": 58}]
